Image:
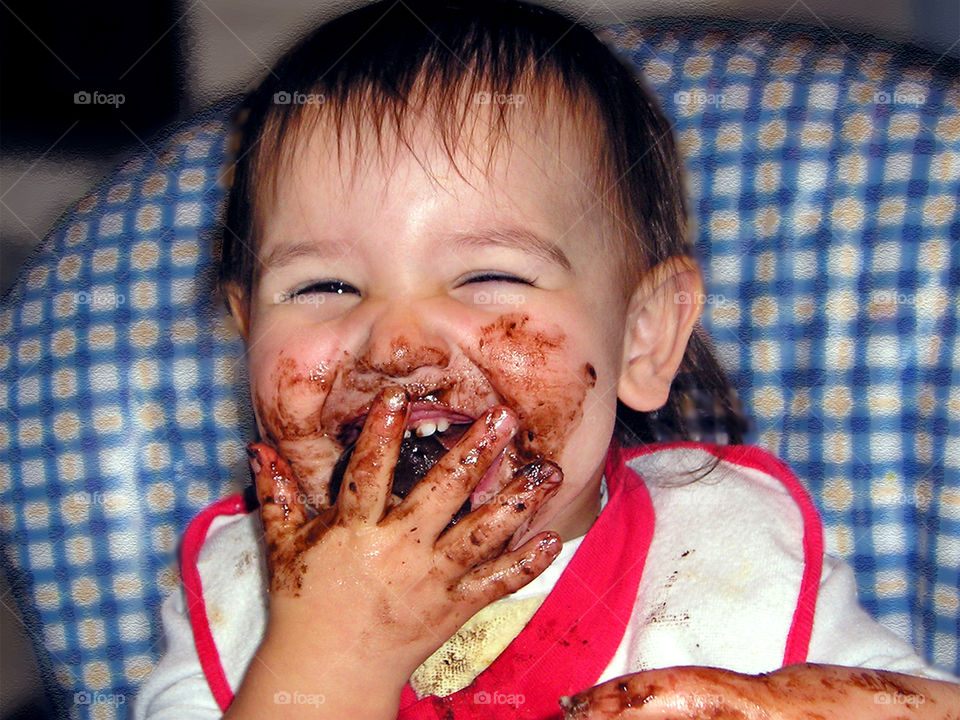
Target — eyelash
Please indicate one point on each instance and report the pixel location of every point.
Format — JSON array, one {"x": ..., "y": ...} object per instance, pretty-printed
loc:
[
  {"x": 500, "y": 277},
  {"x": 337, "y": 287}
]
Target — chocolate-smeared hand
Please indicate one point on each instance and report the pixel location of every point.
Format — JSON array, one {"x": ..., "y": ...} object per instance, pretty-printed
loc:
[
  {"x": 387, "y": 583},
  {"x": 795, "y": 692}
]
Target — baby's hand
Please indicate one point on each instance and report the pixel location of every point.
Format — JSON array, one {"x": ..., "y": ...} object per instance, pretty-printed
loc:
[
  {"x": 830, "y": 692},
  {"x": 381, "y": 590}
]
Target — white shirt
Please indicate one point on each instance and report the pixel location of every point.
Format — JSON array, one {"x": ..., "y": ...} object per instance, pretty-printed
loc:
[{"x": 719, "y": 586}]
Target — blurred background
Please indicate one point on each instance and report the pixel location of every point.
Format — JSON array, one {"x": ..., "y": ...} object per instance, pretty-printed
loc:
[{"x": 86, "y": 85}]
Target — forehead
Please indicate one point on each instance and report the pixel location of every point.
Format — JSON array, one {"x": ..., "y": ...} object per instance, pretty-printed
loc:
[{"x": 533, "y": 152}]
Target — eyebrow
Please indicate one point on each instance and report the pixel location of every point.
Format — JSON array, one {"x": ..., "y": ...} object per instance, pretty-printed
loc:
[
  {"x": 289, "y": 253},
  {"x": 513, "y": 238},
  {"x": 517, "y": 239}
]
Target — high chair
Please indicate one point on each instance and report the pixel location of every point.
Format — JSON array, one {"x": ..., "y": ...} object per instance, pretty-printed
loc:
[{"x": 824, "y": 175}]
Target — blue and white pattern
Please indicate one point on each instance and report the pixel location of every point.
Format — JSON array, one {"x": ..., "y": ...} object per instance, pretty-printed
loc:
[{"x": 824, "y": 177}]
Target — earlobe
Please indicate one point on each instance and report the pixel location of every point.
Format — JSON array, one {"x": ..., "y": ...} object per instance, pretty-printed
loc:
[
  {"x": 661, "y": 315},
  {"x": 239, "y": 304}
]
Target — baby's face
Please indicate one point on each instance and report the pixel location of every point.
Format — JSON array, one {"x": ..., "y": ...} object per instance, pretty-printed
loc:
[{"x": 492, "y": 288}]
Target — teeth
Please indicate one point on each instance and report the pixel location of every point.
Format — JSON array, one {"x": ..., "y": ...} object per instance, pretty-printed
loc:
[{"x": 426, "y": 429}]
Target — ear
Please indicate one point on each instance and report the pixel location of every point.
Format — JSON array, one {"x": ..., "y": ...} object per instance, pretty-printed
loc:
[
  {"x": 239, "y": 305},
  {"x": 662, "y": 312}
]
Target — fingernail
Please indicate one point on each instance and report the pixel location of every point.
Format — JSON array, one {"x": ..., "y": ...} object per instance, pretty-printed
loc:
[
  {"x": 254, "y": 454},
  {"x": 497, "y": 417},
  {"x": 394, "y": 398},
  {"x": 550, "y": 544},
  {"x": 541, "y": 473}
]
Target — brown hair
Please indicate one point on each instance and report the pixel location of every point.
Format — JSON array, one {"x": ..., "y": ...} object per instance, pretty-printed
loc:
[{"x": 373, "y": 68}]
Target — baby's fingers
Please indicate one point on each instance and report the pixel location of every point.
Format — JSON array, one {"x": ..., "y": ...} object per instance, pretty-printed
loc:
[
  {"x": 281, "y": 507},
  {"x": 679, "y": 693},
  {"x": 508, "y": 572},
  {"x": 436, "y": 498},
  {"x": 485, "y": 531},
  {"x": 369, "y": 475}
]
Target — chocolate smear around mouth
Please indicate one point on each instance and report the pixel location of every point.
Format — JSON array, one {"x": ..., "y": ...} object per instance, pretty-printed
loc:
[{"x": 417, "y": 456}]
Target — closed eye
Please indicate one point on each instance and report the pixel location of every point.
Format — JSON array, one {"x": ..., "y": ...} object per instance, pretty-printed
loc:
[
  {"x": 499, "y": 277},
  {"x": 335, "y": 287}
]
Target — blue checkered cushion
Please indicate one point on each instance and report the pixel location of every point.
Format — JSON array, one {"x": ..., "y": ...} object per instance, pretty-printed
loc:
[
  {"x": 124, "y": 413},
  {"x": 824, "y": 177}
]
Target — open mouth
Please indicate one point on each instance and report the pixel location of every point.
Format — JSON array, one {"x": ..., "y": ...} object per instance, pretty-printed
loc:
[{"x": 431, "y": 431}]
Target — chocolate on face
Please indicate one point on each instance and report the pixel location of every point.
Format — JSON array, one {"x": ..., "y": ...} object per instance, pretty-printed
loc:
[
  {"x": 511, "y": 361},
  {"x": 392, "y": 233},
  {"x": 528, "y": 369}
]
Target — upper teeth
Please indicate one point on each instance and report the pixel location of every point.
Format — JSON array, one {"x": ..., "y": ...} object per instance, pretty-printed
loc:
[{"x": 425, "y": 428}]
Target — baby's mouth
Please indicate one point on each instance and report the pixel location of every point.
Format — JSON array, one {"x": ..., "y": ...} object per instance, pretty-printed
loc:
[{"x": 431, "y": 431}]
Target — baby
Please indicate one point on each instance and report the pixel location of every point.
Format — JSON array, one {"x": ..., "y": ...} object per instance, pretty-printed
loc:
[{"x": 456, "y": 251}]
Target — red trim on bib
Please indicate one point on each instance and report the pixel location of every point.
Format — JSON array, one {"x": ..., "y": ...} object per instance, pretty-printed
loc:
[
  {"x": 193, "y": 540},
  {"x": 574, "y": 635}
]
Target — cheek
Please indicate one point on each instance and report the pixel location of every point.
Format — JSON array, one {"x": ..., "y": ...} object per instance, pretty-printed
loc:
[
  {"x": 541, "y": 376},
  {"x": 289, "y": 396}
]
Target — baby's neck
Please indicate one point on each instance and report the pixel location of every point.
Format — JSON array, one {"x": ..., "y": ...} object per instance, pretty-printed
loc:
[{"x": 578, "y": 516}]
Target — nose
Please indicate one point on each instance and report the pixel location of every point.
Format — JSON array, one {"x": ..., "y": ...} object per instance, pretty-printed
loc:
[{"x": 401, "y": 341}]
